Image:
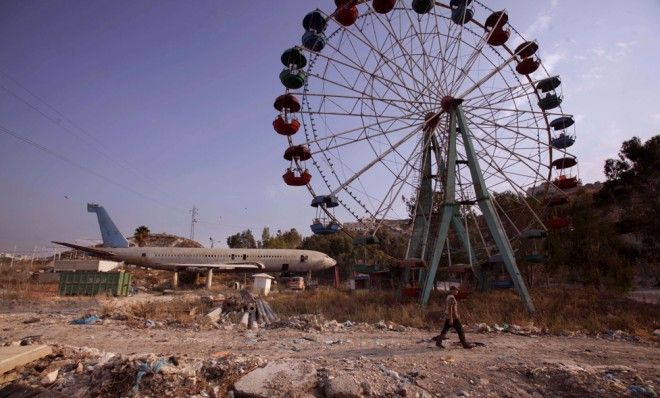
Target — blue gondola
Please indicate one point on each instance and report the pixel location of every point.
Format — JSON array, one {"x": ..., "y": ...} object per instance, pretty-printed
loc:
[
  {"x": 503, "y": 284},
  {"x": 563, "y": 141},
  {"x": 313, "y": 41},
  {"x": 327, "y": 201},
  {"x": 461, "y": 15},
  {"x": 562, "y": 122},
  {"x": 533, "y": 234},
  {"x": 320, "y": 228},
  {"x": 314, "y": 21},
  {"x": 550, "y": 101}
]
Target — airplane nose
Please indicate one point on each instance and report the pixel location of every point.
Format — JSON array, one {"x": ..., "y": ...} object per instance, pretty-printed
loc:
[{"x": 329, "y": 262}]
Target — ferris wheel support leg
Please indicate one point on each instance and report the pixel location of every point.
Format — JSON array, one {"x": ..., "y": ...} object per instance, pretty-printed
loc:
[
  {"x": 490, "y": 215},
  {"x": 448, "y": 209},
  {"x": 465, "y": 242},
  {"x": 422, "y": 217}
]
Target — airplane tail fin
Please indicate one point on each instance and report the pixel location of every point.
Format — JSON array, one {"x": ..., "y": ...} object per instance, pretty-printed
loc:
[{"x": 109, "y": 232}]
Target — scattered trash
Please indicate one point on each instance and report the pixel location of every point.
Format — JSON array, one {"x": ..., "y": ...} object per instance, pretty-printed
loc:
[{"x": 85, "y": 320}]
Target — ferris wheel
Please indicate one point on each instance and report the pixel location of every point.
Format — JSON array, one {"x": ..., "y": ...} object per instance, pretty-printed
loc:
[{"x": 446, "y": 104}]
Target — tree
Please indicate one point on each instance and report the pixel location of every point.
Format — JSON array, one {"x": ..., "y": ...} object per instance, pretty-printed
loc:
[
  {"x": 141, "y": 234},
  {"x": 242, "y": 240}
]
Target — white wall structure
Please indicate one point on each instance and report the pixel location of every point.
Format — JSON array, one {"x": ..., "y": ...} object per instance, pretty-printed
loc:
[{"x": 262, "y": 284}]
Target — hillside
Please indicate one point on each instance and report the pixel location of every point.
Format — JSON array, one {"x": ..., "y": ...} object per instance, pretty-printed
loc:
[{"x": 165, "y": 240}]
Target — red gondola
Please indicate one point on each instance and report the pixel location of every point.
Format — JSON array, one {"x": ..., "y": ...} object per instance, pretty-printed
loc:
[
  {"x": 282, "y": 127},
  {"x": 564, "y": 182},
  {"x": 496, "y": 20},
  {"x": 563, "y": 163},
  {"x": 527, "y": 49},
  {"x": 347, "y": 15},
  {"x": 499, "y": 37},
  {"x": 290, "y": 178},
  {"x": 528, "y": 66},
  {"x": 297, "y": 152},
  {"x": 287, "y": 102},
  {"x": 557, "y": 223},
  {"x": 383, "y": 6}
]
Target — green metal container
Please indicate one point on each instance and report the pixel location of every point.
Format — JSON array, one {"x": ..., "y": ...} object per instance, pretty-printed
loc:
[{"x": 90, "y": 283}]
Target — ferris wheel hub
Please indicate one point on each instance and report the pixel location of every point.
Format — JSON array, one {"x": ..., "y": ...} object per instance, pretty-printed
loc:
[
  {"x": 431, "y": 120},
  {"x": 447, "y": 102}
]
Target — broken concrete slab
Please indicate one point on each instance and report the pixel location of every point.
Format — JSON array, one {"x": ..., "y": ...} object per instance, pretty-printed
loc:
[
  {"x": 342, "y": 386},
  {"x": 278, "y": 379},
  {"x": 14, "y": 356}
]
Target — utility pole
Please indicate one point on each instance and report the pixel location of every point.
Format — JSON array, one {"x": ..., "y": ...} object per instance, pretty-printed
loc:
[
  {"x": 212, "y": 241},
  {"x": 11, "y": 264},
  {"x": 193, "y": 221}
]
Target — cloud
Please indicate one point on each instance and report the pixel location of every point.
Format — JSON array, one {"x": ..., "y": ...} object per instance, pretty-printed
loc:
[
  {"x": 626, "y": 45},
  {"x": 540, "y": 24},
  {"x": 551, "y": 60}
]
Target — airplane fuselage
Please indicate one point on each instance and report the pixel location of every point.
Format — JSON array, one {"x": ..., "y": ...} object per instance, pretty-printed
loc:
[{"x": 268, "y": 260}]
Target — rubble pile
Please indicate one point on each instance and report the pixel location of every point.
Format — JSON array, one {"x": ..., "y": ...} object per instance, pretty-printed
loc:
[
  {"x": 318, "y": 323},
  {"x": 245, "y": 309},
  {"x": 85, "y": 372},
  {"x": 530, "y": 330}
]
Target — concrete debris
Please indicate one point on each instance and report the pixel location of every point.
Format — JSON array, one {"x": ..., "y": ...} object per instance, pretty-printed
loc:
[
  {"x": 90, "y": 373},
  {"x": 344, "y": 386},
  {"x": 530, "y": 330},
  {"x": 278, "y": 379}
]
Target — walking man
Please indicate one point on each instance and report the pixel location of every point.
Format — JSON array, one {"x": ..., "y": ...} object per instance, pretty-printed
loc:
[{"x": 452, "y": 319}]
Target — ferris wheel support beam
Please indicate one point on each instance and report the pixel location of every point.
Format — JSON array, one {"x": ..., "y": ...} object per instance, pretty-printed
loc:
[{"x": 457, "y": 119}]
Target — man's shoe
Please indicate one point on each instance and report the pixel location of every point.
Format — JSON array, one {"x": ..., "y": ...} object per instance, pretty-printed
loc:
[{"x": 467, "y": 346}]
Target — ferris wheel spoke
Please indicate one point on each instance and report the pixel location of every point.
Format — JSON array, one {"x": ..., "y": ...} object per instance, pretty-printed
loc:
[
  {"x": 514, "y": 110},
  {"x": 516, "y": 132},
  {"x": 376, "y": 160},
  {"x": 477, "y": 51},
  {"x": 398, "y": 181},
  {"x": 488, "y": 76},
  {"x": 394, "y": 68},
  {"x": 360, "y": 139},
  {"x": 388, "y": 84},
  {"x": 424, "y": 54},
  {"x": 355, "y": 129},
  {"x": 522, "y": 159}
]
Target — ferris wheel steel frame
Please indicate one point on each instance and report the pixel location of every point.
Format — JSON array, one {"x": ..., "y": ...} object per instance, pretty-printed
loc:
[{"x": 388, "y": 84}]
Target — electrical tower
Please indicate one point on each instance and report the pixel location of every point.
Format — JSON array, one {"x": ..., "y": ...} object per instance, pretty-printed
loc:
[{"x": 193, "y": 221}]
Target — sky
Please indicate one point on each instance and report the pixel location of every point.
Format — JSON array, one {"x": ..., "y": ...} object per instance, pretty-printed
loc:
[{"x": 151, "y": 107}]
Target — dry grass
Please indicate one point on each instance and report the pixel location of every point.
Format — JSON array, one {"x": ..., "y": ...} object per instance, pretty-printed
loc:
[
  {"x": 179, "y": 312},
  {"x": 16, "y": 283},
  {"x": 557, "y": 309}
]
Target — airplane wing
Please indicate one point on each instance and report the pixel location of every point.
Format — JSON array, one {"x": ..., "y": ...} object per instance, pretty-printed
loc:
[
  {"x": 222, "y": 266},
  {"x": 90, "y": 250}
]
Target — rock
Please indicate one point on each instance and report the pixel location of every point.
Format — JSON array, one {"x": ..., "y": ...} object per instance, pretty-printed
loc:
[
  {"x": 483, "y": 328},
  {"x": 49, "y": 377},
  {"x": 381, "y": 325},
  {"x": 366, "y": 388},
  {"x": 342, "y": 386},
  {"x": 462, "y": 394},
  {"x": 32, "y": 320},
  {"x": 215, "y": 314},
  {"x": 278, "y": 379},
  {"x": 79, "y": 368}
]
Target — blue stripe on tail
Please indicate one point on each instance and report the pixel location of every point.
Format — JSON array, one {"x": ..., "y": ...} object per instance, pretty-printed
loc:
[{"x": 109, "y": 232}]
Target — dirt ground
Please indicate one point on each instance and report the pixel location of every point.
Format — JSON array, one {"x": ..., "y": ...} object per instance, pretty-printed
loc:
[{"x": 507, "y": 364}]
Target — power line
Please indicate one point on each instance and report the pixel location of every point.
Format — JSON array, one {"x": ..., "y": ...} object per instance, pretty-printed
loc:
[
  {"x": 96, "y": 147},
  {"x": 88, "y": 170}
]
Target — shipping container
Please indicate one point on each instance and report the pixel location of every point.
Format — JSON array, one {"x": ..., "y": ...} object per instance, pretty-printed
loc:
[{"x": 88, "y": 283}]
